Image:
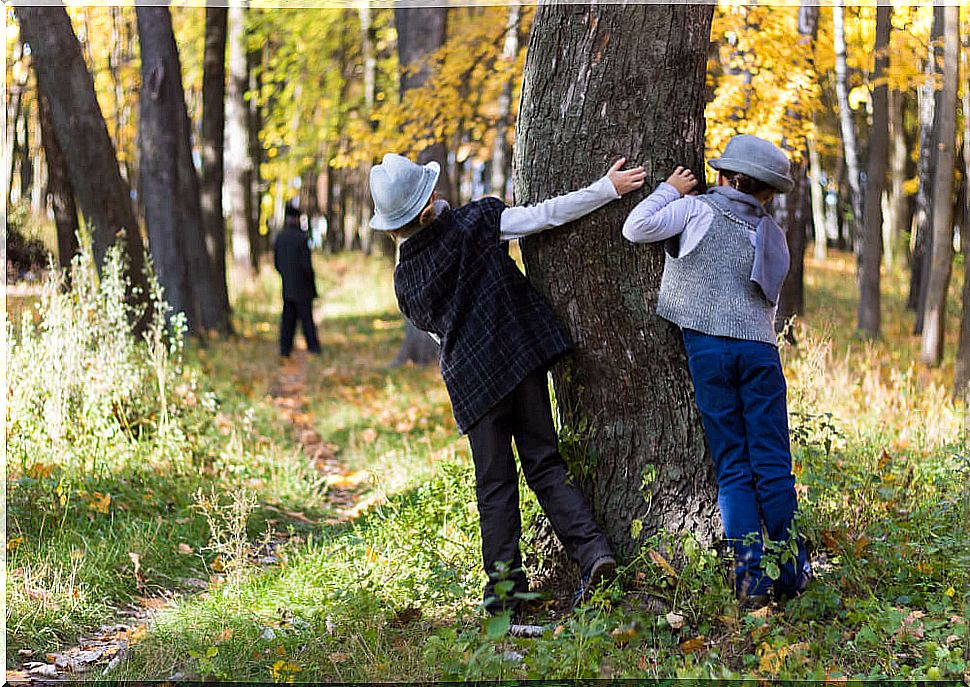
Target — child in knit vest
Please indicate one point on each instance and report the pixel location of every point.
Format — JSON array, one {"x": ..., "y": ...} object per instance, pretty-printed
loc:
[
  {"x": 456, "y": 281},
  {"x": 726, "y": 259}
]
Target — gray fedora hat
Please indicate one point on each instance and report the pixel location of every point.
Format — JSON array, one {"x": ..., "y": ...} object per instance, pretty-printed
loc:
[
  {"x": 759, "y": 159},
  {"x": 400, "y": 189}
]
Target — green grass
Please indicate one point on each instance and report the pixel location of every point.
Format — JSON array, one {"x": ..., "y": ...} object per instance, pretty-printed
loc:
[{"x": 392, "y": 594}]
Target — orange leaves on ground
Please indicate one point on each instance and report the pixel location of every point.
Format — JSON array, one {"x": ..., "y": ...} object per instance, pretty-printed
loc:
[
  {"x": 911, "y": 627},
  {"x": 185, "y": 550},
  {"x": 369, "y": 435},
  {"x": 100, "y": 502},
  {"x": 771, "y": 660},
  {"x": 40, "y": 470},
  {"x": 662, "y": 563},
  {"x": 692, "y": 646}
]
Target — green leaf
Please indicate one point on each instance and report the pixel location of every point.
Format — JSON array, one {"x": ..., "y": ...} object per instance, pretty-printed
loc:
[
  {"x": 771, "y": 570},
  {"x": 504, "y": 588},
  {"x": 498, "y": 626}
]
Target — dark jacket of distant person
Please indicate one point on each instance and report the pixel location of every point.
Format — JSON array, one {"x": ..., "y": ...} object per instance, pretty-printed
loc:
[{"x": 291, "y": 255}]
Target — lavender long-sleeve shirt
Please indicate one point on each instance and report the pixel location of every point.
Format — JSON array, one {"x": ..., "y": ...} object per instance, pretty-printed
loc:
[{"x": 665, "y": 214}]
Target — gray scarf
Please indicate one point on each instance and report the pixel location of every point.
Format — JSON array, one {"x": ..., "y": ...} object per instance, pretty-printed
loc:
[{"x": 771, "y": 258}]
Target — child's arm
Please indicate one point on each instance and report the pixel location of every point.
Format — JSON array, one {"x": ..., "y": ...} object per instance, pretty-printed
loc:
[
  {"x": 517, "y": 222},
  {"x": 665, "y": 212}
]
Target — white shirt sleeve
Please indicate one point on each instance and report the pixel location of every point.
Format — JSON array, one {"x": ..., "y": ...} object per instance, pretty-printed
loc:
[
  {"x": 517, "y": 222},
  {"x": 664, "y": 214}
]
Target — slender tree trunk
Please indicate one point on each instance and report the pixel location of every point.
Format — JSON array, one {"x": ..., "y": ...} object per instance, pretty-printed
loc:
[
  {"x": 923, "y": 216},
  {"x": 238, "y": 162},
  {"x": 170, "y": 185},
  {"x": 791, "y": 300},
  {"x": 102, "y": 194},
  {"x": 595, "y": 77},
  {"x": 500, "y": 149},
  {"x": 60, "y": 189},
  {"x": 845, "y": 122},
  {"x": 213, "y": 155},
  {"x": 870, "y": 256},
  {"x": 897, "y": 201},
  {"x": 258, "y": 242},
  {"x": 934, "y": 319},
  {"x": 421, "y": 31},
  {"x": 961, "y": 368},
  {"x": 818, "y": 200}
]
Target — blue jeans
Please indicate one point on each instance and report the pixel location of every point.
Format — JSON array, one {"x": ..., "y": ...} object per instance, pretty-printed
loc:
[{"x": 740, "y": 391}]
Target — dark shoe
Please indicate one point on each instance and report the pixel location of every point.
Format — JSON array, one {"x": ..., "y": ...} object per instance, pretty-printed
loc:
[
  {"x": 752, "y": 603},
  {"x": 601, "y": 572},
  {"x": 785, "y": 594}
]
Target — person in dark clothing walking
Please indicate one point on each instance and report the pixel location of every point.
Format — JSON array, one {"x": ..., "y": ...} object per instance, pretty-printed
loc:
[
  {"x": 291, "y": 256},
  {"x": 456, "y": 280}
]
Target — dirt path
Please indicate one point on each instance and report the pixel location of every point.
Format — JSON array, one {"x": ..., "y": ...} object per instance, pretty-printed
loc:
[{"x": 96, "y": 655}]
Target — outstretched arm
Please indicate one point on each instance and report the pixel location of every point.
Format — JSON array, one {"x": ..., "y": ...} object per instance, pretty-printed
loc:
[
  {"x": 663, "y": 214},
  {"x": 517, "y": 222}
]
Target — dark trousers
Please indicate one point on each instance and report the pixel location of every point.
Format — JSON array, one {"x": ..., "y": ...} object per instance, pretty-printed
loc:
[
  {"x": 293, "y": 310},
  {"x": 525, "y": 415},
  {"x": 740, "y": 391}
]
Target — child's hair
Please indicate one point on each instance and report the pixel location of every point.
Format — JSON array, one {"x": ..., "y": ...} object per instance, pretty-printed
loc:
[
  {"x": 424, "y": 218},
  {"x": 745, "y": 184}
]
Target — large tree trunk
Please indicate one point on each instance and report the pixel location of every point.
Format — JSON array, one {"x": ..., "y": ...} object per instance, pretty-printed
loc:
[
  {"x": 170, "y": 187},
  {"x": 421, "y": 31},
  {"x": 213, "y": 155},
  {"x": 870, "y": 256},
  {"x": 923, "y": 216},
  {"x": 595, "y": 77},
  {"x": 934, "y": 318},
  {"x": 59, "y": 188},
  {"x": 845, "y": 121},
  {"x": 92, "y": 166},
  {"x": 239, "y": 168}
]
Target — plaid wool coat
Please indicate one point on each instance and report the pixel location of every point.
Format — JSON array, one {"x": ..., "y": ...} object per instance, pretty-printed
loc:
[{"x": 456, "y": 280}]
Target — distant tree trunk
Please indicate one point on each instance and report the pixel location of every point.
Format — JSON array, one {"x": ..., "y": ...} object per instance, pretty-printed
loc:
[
  {"x": 595, "y": 77},
  {"x": 92, "y": 166},
  {"x": 791, "y": 300},
  {"x": 258, "y": 242},
  {"x": 818, "y": 200},
  {"x": 213, "y": 155},
  {"x": 421, "y": 31},
  {"x": 170, "y": 187},
  {"x": 239, "y": 169},
  {"x": 961, "y": 368},
  {"x": 369, "y": 60},
  {"x": 897, "y": 203},
  {"x": 868, "y": 319},
  {"x": 59, "y": 188},
  {"x": 500, "y": 149},
  {"x": 845, "y": 122},
  {"x": 934, "y": 319},
  {"x": 923, "y": 216}
]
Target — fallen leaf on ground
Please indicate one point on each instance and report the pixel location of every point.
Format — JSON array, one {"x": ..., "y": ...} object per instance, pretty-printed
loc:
[
  {"x": 692, "y": 645},
  {"x": 676, "y": 620},
  {"x": 185, "y": 550},
  {"x": 660, "y": 561}
]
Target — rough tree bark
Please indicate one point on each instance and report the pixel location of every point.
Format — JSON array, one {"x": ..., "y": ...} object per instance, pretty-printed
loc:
[
  {"x": 239, "y": 168},
  {"x": 934, "y": 318},
  {"x": 845, "y": 121},
  {"x": 868, "y": 319},
  {"x": 59, "y": 188},
  {"x": 170, "y": 186},
  {"x": 793, "y": 217},
  {"x": 595, "y": 77},
  {"x": 102, "y": 194},
  {"x": 421, "y": 31},
  {"x": 213, "y": 155}
]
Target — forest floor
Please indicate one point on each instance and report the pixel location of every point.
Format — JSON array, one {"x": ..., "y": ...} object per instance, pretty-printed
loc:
[{"x": 316, "y": 520}]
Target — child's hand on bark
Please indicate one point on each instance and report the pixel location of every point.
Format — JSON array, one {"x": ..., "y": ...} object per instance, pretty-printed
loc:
[
  {"x": 683, "y": 180},
  {"x": 627, "y": 180}
]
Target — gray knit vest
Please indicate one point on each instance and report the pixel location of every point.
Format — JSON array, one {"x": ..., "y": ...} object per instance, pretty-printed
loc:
[{"x": 710, "y": 288}]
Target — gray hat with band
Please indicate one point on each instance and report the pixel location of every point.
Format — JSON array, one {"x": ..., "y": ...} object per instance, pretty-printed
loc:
[
  {"x": 400, "y": 189},
  {"x": 759, "y": 159}
]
